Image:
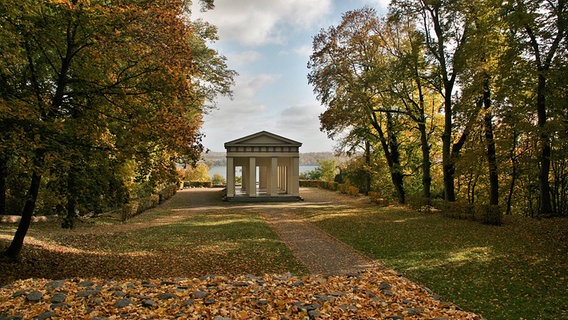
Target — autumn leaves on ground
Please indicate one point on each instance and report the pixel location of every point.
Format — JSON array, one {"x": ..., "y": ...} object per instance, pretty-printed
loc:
[{"x": 509, "y": 272}]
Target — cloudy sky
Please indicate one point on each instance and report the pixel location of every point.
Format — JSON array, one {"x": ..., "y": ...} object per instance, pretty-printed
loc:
[{"x": 268, "y": 42}]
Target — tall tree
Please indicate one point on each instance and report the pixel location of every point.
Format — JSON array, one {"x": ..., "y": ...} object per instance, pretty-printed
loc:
[
  {"x": 346, "y": 72},
  {"x": 446, "y": 31},
  {"x": 540, "y": 28},
  {"x": 115, "y": 78},
  {"x": 409, "y": 83},
  {"x": 483, "y": 55}
]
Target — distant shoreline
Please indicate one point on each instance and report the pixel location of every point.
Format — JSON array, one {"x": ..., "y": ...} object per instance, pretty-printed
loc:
[
  {"x": 222, "y": 170},
  {"x": 217, "y": 159}
]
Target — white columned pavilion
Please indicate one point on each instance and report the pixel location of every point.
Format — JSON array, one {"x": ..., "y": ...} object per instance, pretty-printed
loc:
[{"x": 270, "y": 167}]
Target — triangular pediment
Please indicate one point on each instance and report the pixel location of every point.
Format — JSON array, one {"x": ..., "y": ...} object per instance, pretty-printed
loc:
[{"x": 263, "y": 138}]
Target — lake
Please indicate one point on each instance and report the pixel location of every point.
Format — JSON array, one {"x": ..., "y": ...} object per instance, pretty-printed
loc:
[{"x": 223, "y": 170}]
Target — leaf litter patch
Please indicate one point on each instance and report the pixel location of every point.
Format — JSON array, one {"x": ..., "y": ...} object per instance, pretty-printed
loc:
[{"x": 373, "y": 294}]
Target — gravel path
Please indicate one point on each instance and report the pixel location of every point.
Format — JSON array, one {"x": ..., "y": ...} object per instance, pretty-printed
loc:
[{"x": 318, "y": 251}]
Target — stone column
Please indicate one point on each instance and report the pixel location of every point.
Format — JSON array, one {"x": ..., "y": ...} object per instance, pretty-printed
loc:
[
  {"x": 244, "y": 177},
  {"x": 262, "y": 177},
  {"x": 273, "y": 177},
  {"x": 230, "y": 177},
  {"x": 294, "y": 188},
  {"x": 289, "y": 176},
  {"x": 284, "y": 169},
  {"x": 251, "y": 188},
  {"x": 280, "y": 178}
]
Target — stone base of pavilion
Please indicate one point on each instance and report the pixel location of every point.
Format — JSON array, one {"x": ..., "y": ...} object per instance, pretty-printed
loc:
[{"x": 261, "y": 196}]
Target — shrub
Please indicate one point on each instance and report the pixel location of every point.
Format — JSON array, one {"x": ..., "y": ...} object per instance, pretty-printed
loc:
[
  {"x": 377, "y": 198},
  {"x": 167, "y": 192},
  {"x": 311, "y": 184},
  {"x": 218, "y": 180},
  {"x": 200, "y": 184},
  {"x": 348, "y": 189},
  {"x": 492, "y": 215},
  {"x": 129, "y": 210},
  {"x": 331, "y": 185}
]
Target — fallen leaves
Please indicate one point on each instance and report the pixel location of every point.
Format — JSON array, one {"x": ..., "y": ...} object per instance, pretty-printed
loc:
[{"x": 379, "y": 293}]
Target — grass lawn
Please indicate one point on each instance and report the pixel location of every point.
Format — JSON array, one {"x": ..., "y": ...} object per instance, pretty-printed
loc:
[
  {"x": 516, "y": 271},
  {"x": 227, "y": 243}
]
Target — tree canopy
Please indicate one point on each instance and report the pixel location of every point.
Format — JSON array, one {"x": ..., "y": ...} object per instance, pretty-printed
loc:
[
  {"x": 99, "y": 99},
  {"x": 464, "y": 100}
]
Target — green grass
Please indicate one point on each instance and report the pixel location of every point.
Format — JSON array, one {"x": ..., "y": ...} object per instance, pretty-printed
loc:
[
  {"x": 227, "y": 243},
  {"x": 516, "y": 271}
]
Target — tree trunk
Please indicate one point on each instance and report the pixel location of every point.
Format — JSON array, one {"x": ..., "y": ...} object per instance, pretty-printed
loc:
[
  {"x": 368, "y": 167},
  {"x": 447, "y": 161},
  {"x": 426, "y": 164},
  {"x": 398, "y": 180},
  {"x": 13, "y": 251},
  {"x": 3, "y": 177},
  {"x": 69, "y": 220},
  {"x": 392, "y": 154},
  {"x": 397, "y": 175},
  {"x": 514, "y": 173},
  {"x": 545, "y": 205},
  {"x": 491, "y": 149},
  {"x": 449, "y": 187}
]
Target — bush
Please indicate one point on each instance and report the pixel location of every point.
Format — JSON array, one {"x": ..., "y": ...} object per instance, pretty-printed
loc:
[
  {"x": 218, "y": 180},
  {"x": 331, "y": 185},
  {"x": 377, "y": 198},
  {"x": 487, "y": 214},
  {"x": 136, "y": 207},
  {"x": 311, "y": 184},
  {"x": 348, "y": 189},
  {"x": 167, "y": 192},
  {"x": 200, "y": 184},
  {"x": 328, "y": 185},
  {"x": 492, "y": 215}
]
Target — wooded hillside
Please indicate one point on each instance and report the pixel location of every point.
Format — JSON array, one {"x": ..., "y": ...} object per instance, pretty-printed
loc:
[{"x": 461, "y": 100}]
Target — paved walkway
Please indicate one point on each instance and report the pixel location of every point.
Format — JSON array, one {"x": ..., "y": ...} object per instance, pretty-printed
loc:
[{"x": 317, "y": 250}]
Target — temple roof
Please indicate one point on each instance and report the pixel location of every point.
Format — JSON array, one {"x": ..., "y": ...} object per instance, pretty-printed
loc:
[{"x": 262, "y": 138}]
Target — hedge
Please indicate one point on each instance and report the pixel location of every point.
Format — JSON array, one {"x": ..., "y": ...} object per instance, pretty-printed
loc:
[
  {"x": 136, "y": 207},
  {"x": 485, "y": 213},
  {"x": 330, "y": 185},
  {"x": 197, "y": 184}
]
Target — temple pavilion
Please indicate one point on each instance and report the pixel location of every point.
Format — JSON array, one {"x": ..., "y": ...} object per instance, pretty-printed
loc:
[{"x": 269, "y": 166}]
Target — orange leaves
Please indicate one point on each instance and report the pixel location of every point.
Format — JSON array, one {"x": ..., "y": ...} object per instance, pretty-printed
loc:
[{"x": 241, "y": 297}]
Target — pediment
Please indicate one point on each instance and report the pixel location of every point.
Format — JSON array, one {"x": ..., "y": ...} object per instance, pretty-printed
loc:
[{"x": 263, "y": 138}]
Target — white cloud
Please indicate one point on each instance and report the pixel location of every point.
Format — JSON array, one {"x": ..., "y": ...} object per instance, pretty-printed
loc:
[
  {"x": 244, "y": 114},
  {"x": 379, "y": 4},
  {"x": 298, "y": 117},
  {"x": 248, "y": 86},
  {"x": 303, "y": 51},
  {"x": 258, "y": 22},
  {"x": 243, "y": 58},
  {"x": 301, "y": 123}
]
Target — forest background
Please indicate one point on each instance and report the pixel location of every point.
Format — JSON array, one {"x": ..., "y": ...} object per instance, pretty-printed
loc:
[{"x": 465, "y": 101}]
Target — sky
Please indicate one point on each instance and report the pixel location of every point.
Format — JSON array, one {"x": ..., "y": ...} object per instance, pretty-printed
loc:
[{"x": 269, "y": 42}]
